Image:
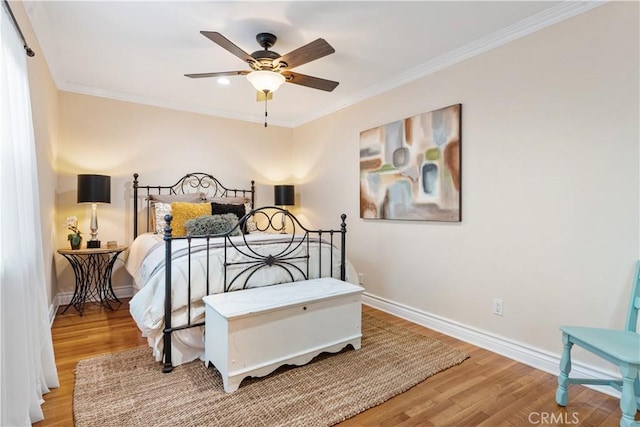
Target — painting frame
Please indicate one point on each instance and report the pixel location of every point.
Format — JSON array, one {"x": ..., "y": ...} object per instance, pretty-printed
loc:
[{"x": 411, "y": 169}]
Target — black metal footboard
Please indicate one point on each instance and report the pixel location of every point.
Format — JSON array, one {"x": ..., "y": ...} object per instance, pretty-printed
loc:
[{"x": 250, "y": 260}]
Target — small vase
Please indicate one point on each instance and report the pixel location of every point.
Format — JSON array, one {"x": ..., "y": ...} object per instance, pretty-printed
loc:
[{"x": 75, "y": 241}]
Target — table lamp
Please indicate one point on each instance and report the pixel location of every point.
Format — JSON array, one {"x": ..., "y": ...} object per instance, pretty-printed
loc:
[
  {"x": 283, "y": 195},
  {"x": 94, "y": 189}
]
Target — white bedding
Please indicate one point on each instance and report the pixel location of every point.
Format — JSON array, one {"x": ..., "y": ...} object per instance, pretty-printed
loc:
[{"x": 146, "y": 264}]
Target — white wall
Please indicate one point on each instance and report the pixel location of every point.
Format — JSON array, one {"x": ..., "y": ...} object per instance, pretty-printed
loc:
[
  {"x": 550, "y": 184},
  {"x": 116, "y": 138},
  {"x": 44, "y": 107}
]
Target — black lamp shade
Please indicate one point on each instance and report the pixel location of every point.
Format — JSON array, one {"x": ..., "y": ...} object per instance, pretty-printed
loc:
[
  {"x": 283, "y": 195},
  {"x": 94, "y": 189}
]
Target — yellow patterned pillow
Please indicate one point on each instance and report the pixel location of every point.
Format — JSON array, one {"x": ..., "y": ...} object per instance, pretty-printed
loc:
[{"x": 182, "y": 211}]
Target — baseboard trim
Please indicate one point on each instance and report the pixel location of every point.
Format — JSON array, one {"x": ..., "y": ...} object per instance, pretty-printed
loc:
[
  {"x": 534, "y": 357},
  {"x": 64, "y": 298},
  {"x": 53, "y": 309}
]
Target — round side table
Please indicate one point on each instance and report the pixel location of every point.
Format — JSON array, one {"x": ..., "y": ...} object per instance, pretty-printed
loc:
[{"x": 92, "y": 268}]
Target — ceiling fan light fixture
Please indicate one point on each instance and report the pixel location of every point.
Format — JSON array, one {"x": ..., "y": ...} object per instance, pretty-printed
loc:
[{"x": 266, "y": 81}]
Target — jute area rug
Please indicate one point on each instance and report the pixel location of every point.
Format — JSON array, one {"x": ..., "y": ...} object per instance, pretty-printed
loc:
[{"x": 129, "y": 388}]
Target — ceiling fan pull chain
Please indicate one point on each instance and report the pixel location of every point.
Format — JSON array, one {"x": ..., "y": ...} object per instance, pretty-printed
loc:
[{"x": 266, "y": 96}]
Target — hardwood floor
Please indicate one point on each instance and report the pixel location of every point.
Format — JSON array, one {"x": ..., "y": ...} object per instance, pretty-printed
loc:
[
  {"x": 98, "y": 331},
  {"x": 485, "y": 390}
]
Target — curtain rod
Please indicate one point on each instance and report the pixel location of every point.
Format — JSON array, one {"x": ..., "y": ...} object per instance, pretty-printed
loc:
[{"x": 30, "y": 52}]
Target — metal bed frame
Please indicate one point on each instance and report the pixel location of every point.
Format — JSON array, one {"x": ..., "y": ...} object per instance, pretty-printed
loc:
[
  {"x": 194, "y": 182},
  {"x": 296, "y": 246}
]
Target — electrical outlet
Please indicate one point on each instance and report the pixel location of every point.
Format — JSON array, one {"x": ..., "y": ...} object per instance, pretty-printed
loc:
[
  {"x": 361, "y": 278},
  {"x": 497, "y": 306}
]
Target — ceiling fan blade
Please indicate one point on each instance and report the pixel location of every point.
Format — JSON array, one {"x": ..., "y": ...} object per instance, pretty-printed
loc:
[
  {"x": 307, "y": 53},
  {"x": 227, "y": 44},
  {"x": 218, "y": 74},
  {"x": 310, "y": 81}
]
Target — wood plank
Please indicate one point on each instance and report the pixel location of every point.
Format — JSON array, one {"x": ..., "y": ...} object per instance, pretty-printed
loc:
[
  {"x": 75, "y": 337},
  {"x": 485, "y": 390}
]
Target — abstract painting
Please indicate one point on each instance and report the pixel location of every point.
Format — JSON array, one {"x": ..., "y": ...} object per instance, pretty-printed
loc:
[{"x": 410, "y": 169}]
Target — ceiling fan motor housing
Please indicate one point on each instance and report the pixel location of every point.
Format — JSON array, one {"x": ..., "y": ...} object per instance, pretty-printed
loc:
[
  {"x": 265, "y": 60},
  {"x": 266, "y": 57}
]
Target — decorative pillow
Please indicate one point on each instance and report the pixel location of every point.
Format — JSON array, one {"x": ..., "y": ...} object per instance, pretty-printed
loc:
[
  {"x": 212, "y": 224},
  {"x": 157, "y": 218},
  {"x": 182, "y": 212},
  {"x": 170, "y": 198},
  {"x": 160, "y": 205},
  {"x": 251, "y": 225},
  {"x": 238, "y": 210},
  {"x": 229, "y": 200}
]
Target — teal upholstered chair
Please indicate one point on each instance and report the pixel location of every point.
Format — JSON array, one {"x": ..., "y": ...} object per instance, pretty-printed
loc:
[{"x": 620, "y": 347}]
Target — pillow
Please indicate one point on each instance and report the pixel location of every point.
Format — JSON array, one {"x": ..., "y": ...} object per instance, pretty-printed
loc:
[
  {"x": 157, "y": 216},
  {"x": 251, "y": 223},
  {"x": 250, "y": 226},
  {"x": 170, "y": 198},
  {"x": 212, "y": 224},
  {"x": 182, "y": 212},
  {"x": 229, "y": 200},
  {"x": 160, "y": 205},
  {"x": 238, "y": 210}
]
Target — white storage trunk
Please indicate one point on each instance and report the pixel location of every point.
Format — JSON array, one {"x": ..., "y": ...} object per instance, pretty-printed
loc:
[{"x": 254, "y": 331}]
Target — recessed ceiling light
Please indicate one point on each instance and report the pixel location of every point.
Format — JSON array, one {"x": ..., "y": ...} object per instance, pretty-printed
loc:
[{"x": 223, "y": 81}]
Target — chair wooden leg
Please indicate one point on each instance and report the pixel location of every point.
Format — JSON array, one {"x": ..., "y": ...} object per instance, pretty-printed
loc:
[
  {"x": 562, "y": 394},
  {"x": 628, "y": 398}
]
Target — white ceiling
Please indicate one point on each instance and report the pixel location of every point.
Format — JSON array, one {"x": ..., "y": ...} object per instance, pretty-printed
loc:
[{"x": 139, "y": 51}]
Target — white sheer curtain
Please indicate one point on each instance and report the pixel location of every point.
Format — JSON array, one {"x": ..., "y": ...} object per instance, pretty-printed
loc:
[{"x": 27, "y": 367}]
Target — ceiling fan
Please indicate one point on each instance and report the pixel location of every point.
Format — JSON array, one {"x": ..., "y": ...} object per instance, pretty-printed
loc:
[{"x": 269, "y": 69}]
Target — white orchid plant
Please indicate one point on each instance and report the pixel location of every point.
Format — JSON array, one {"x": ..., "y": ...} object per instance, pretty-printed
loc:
[{"x": 76, "y": 235}]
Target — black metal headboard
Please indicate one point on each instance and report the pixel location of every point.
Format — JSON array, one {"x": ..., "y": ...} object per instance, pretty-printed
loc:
[{"x": 194, "y": 182}]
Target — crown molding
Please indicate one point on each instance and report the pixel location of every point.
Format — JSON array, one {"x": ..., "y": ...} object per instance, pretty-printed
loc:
[
  {"x": 162, "y": 103},
  {"x": 563, "y": 11}
]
